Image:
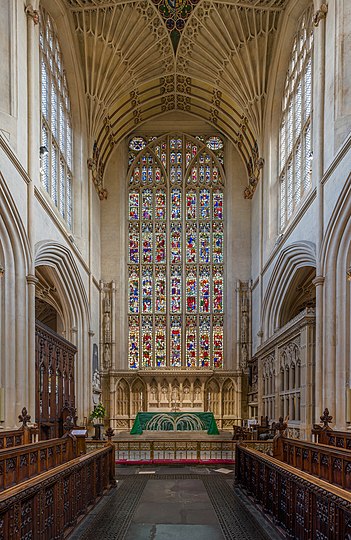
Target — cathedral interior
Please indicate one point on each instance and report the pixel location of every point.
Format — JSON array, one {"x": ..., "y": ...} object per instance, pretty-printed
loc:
[{"x": 175, "y": 204}]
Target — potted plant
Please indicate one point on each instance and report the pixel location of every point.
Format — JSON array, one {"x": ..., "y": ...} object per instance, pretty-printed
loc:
[{"x": 98, "y": 414}]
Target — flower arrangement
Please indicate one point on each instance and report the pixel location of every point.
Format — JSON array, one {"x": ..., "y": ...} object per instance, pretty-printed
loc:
[{"x": 98, "y": 412}]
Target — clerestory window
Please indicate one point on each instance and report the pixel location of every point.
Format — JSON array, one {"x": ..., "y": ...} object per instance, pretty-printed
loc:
[
  {"x": 176, "y": 252},
  {"x": 295, "y": 141},
  {"x": 56, "y": 125}
]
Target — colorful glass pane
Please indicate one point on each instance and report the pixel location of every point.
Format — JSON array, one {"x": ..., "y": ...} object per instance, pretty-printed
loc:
[
  {"x": 176, "y": 290},
  {"x": 160, "y": 204},
  {"x": 191, "y": 205},
  {"x": 134, "y": 246},
  {"x": 217, "y": 205},
  {"x": 147, "y": 290},
  {"x": 158, "y": 176},
  {"x": 218, "y": 244},
  {"x": 176, "y": 204},
  {"x": 136, "y": 175},
  {"x": 147, "y": 335},
  {"x": 133, "y": 343},
  {"x": 176, "y": 243},
  {"x": 204, "y": 290},
  {"x": 160, "y": 291},
  {"x": 204, "y": 343},
  {"x": 205, "y": 198},
  {"x": 172, "y": 158},
  {"x": 201, "y": 174},
  {"x": 191, "y": 291},
  {"x": 204, "y": 243},
  {"x": 173, "y": 174},
  {"x": 215, "y": 174},
  {"x": 207, "y": 174},
  {"x": 191, "y": 343},
  {"x": 218, "y": 291},
  {"x": 133, "y": 291},
  {"x": 144, "y": 174},
  {"x": 218, "y": 346},
  {"x": 137, "y": 143},
  {"x": 191, "y": 244},
  {"x": 175, "y": 342},
  {"x": 133, "y": 205},
  {"x": 147, "y": 204},
  {"x": 147, "y": 244},
  {"x": 160, "y": 246},
  {"x": 160, "y": 342},
  {"x": 179, "y": 174},
  {"x": 214, "y": 143}
]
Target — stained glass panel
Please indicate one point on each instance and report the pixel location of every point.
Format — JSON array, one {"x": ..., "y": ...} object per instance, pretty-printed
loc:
[
  {"x": 191, "y": 205},
  {"x": 133, "y": 205},
  {"x": 176, "y": 290},
  {"x": 147, "y": 335},
  {"x": 205, "y": 201},
  {"x": 133, "y": 244},
  {"x": 218, "y": 291},
  {"x": 191, "y": 342},
  {"x": 204, "y": 243},
  {"x": 147, "y": 290},
  {"x": 176, "y": 206},
  {"x": 147, "y": 204},
  {"x": 147, "y": 243},
  {"x": 191, "y": 291},
  {"x": 217, "y": 205},
  {"x": 137, "y": 144},
  {"x": 176, "y": 243},
  {"x": 191, "y": 243},
  {"x": 133, "y": 341},
  {"x": 217, "y": 243},
  {"x": 133, "y": 291},
  {"x": 160, "y": 244},
  {"x": 204, "y": 290},
  {"x": 218, "y": 344},
  {"x": 204, "y": 342},
  {"x": 160, "y": 342},
  {"x": 176, "y": 341},
  {"x": 160, "y": 204},
  {"x": 160, "y": 290}
]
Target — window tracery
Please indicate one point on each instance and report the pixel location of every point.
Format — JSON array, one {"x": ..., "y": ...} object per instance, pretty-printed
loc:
[
  {"x": 56, "y": 125},
  {"x": 295, "y": 138},
  {"x": 176, "y": 252}
]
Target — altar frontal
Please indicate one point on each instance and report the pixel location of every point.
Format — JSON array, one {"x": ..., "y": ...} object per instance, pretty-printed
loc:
[{"x": 173, "y": 421}]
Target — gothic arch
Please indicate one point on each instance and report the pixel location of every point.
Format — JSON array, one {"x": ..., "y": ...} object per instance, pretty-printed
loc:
[
  {"x": 16, "y": 309},
  {"x": 122, "y": 398},
  {"x": 76, "y": 312},
  {"x": 291, "y": 258}
]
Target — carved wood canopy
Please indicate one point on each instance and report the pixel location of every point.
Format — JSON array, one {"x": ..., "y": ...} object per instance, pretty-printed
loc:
[{"x": 209, "y": 58}]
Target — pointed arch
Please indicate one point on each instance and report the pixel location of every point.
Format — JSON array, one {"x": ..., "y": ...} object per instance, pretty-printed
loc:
[{"x": 295, "y": 256}]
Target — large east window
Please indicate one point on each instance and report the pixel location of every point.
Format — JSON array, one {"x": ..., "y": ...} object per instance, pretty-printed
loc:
[
  {"x": 56, "y": 127},
  {"x": 295, "y": 142},
  {"x": 176, "y": 252}
]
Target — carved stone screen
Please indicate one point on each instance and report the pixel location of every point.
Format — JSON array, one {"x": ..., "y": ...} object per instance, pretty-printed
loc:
[{"x": 176, "y": 252}]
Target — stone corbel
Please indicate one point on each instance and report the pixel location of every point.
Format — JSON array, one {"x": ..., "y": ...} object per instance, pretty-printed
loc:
[
  {"x": 320, "y": 14},
  {"x": 32, "y": 13}
]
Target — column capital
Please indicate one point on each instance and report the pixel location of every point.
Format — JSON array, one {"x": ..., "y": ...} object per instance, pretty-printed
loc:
[
  {"x": 32, "y": 13},
  {"x": 320, "y": 14},
  {"x": 32, "y": 279},
  {"x": 318, "y": 280}
]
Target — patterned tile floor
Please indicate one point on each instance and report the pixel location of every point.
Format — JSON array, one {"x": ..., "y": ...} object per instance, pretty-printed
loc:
[{"x": 174, "y": 503}]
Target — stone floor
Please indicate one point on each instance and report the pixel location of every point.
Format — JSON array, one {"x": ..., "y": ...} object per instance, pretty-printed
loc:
[{"x": 174, "y": 503}]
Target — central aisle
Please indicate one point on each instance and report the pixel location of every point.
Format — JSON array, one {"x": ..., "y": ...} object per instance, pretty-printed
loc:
[{"x": 167, "y": 503}]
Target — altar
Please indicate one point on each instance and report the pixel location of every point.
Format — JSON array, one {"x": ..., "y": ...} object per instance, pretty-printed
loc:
[{"x": 174, "y": 421}]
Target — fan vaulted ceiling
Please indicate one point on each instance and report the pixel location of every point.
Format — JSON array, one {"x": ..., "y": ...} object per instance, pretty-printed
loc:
[{"x": 208, "y": 58}]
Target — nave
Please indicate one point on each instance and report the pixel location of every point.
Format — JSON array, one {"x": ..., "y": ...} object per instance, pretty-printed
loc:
[{"x": 175, "y": 503}]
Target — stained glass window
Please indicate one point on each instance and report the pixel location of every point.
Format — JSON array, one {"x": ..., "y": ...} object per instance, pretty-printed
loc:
[
  {"x": 295, "y": 148},
  {"x": 176, "y": 252},
  {"x": 56, "y": 130}
]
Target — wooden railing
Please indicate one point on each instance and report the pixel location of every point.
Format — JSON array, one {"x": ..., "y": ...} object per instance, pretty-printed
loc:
[
  {"x": 170, "y": 450},
  {"x": 24, "y": 462},
  {"x": 329, "y": 463},
  {"x": 305, "y": 507},
  {"x": 49, "y": 505},
  {"x": 340, "y": 439}
]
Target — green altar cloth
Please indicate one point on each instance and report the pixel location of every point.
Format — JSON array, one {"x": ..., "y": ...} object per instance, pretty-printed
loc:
[{"x": 172, "y": 421}]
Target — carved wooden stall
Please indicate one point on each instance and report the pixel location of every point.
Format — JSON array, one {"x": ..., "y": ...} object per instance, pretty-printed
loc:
[
  {"x": 304, "y": 506},
  {"x": 54, "y": 381}
]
